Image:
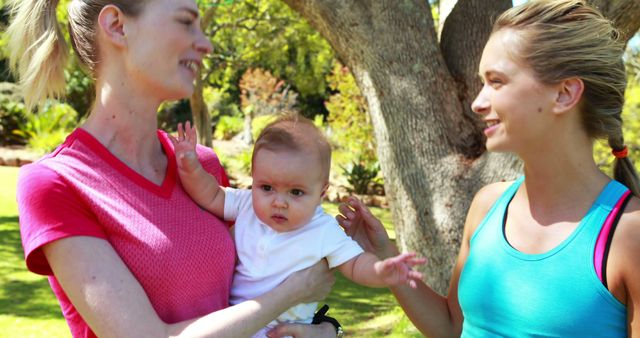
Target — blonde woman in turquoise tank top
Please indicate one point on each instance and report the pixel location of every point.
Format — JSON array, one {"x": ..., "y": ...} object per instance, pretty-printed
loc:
[{"x": 555, "y": 253}]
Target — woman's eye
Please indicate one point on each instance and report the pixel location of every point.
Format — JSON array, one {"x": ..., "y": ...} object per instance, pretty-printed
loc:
[
  {"x": 186, "y": 22},
  {"x": 297, "y": 192},
  {"x": 495, "y": 82},
  {"x": 266, "y": 187}
]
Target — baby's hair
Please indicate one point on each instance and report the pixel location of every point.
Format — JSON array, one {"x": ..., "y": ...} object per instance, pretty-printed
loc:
[{"x": 293, "y": 132}]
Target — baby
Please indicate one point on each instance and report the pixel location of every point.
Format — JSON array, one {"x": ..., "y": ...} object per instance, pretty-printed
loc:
[{"x": 280, "y": 226}]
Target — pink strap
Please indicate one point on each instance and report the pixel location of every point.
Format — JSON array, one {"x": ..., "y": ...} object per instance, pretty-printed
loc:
[{"x": 601, "y": 243}]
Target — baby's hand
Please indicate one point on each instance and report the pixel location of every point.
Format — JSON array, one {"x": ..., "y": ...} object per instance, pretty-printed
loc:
[
  {"x": 185, "y": 147},
  {"x": 398, "y": 270}
]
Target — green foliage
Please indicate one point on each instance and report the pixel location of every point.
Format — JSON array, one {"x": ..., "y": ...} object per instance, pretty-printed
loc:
[
  {"x": 350, "y": 130},
  {"x": 12, "y": 114},
  {"x": 361, "y": 176},
  {"x": 79, "y": 90},
  {"x": 268, "y": 34},
  {"x": 227, "y": 127},
  {"x": 237, "y": 163},
  {"x": 48, "y": 128},
  {"x": 220, "y": 103},
  {"x": 264, "y": 94},
  {"x": 172, "y": 113}
]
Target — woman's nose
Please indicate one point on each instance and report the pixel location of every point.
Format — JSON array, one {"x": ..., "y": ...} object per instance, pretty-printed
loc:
[
  {"x": 202, "y": 44},
  {"x": 481, "y": 104}
]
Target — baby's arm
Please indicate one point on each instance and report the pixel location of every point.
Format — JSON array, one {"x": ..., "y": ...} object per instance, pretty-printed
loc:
[
  {"x": 366, "y": 269},
  {"x": 197, "y": 182}
]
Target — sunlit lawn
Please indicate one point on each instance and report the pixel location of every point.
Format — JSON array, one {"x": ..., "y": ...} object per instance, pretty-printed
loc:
[
  {"x": 27, "y": 305},
  {"x": 29, "y": 309}
]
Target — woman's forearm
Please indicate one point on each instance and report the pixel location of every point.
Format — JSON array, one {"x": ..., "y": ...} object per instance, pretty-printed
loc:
[
  {"x": 241, "y": 320},
  {"x": 428, "y": 311},
  {"x": 114, "y": 304}
]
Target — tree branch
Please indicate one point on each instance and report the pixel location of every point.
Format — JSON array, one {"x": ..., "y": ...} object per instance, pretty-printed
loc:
[
  {"x": 623, "y": 13},
  {"x": 464, "y": 35}
]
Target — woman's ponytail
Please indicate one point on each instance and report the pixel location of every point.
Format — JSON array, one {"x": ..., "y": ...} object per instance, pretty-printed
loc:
[
  {"x": 623, "y": 169},
  {"x": 37, "y": 50}
]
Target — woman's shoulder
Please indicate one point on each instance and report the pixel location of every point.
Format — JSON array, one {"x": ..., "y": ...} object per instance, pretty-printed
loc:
[
  {"x": 627, "y": 235},
  {"x": 482, "y": 202},
  {"x": 623, "y": 267},
  {"x": 486, "y": 197}
]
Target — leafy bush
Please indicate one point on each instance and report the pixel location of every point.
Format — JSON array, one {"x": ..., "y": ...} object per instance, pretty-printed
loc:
[
  {"x": 227, "y": 127},
  {"x": 12, "y": 115},
  {"x": 350, "y": 130},
  {"x": 361, "y": 176},
  {"x": 80, "y": 92},
  {"x": 48, "y": 128},
  {"x": 236, "y": 163},
  {"x": 173, "y": 112}
]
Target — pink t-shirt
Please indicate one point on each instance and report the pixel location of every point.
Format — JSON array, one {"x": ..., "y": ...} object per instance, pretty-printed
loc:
[{"x": 182, "y": 255}]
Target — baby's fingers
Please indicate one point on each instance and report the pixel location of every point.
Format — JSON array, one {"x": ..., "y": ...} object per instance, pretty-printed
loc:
[
  {"x": 180, "y": 132},
  {"x": 416, "y": 261},
  {"x": 190, "y": 132}
]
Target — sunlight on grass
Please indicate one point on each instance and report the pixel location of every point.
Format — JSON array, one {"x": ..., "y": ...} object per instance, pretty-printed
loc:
[{"x": 28, "y": 307}]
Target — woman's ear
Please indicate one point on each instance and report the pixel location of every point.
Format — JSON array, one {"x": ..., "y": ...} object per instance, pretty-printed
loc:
[
  {"x": 111, "y": 24},
  {"x": 569, "y": 94}
]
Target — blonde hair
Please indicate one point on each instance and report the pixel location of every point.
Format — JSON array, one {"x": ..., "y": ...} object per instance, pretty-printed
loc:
[
  {"x": 294, "y": 132},
  {"x": 38, "y": 51},
  {"x": 560, "y": 39}
]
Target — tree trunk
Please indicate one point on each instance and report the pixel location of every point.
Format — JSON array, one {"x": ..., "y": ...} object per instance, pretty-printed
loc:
[
  {"x": 199, "y": 110},
  {"x": 200, "y": 113},
  {"x": 430, "y": 148}
]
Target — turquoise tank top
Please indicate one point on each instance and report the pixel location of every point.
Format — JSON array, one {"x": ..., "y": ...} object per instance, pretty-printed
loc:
[{"x": 506, "y": 293}]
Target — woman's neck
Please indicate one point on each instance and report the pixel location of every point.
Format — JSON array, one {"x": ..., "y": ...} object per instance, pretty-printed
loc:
[
  {"x": 126, "y": 124},
  {"x": 564, "y": 178}
]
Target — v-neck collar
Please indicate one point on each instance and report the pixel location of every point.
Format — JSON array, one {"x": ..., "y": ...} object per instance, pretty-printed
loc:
[{"x": 164, "y": 190}]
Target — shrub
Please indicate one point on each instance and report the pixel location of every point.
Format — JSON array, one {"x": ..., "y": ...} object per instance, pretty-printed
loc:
[
  {"x": 350, "y": 130},
  {"x": 48, "y": 128},
  {"x": 227, "y": 127},
  {"x": 361, "y": 176},
  {"x": 12, "y": 114}
]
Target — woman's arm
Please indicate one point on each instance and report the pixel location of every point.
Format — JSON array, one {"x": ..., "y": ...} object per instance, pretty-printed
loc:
[
  {"x": 623, "y": 267},
  {"x": 431, "y": 313},
  {"x": 113, "y": 303}
]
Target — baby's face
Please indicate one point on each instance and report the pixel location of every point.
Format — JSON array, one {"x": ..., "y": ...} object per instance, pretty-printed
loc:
[{"x": 287, "y": 188}]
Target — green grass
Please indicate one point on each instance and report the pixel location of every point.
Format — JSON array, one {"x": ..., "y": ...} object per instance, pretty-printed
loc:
[{"x": 28, "y": 308}]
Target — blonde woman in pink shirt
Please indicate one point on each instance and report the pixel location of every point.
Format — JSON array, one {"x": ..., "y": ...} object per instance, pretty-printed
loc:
[{"x": 105, "y": 217}]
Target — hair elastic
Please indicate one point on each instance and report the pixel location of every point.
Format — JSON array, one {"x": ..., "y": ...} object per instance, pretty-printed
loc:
[{"x": 622, "y": 153}]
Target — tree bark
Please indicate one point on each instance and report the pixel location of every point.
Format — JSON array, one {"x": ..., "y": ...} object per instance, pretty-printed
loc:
[
  {"x": 430, "y": 147},
  {"x": 623, "y": 13},
  {"x": 199, "y": 110}
]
